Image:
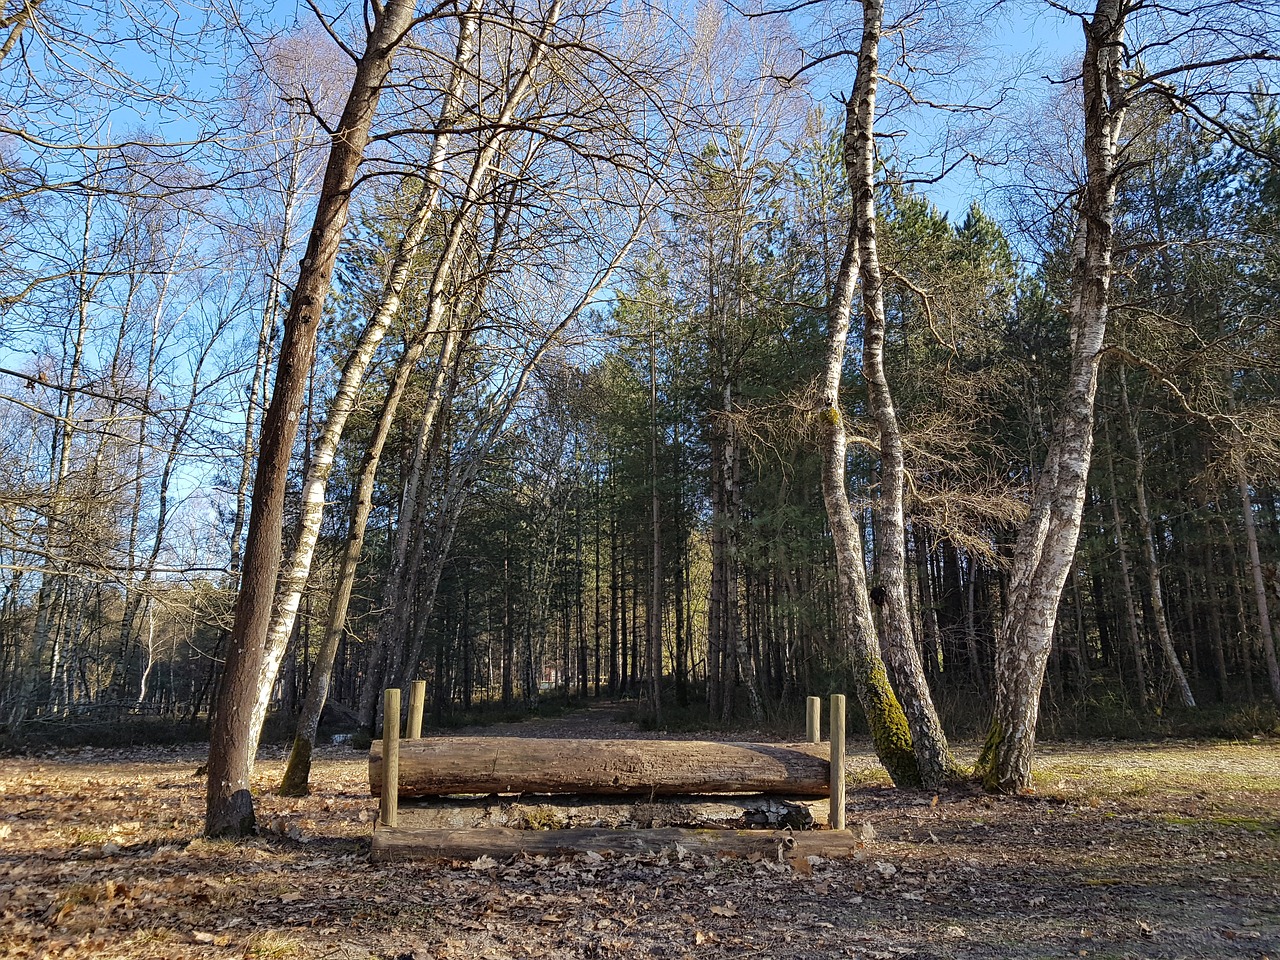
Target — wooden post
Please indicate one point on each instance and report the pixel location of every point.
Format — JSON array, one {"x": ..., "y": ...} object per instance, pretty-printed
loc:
[
  {"x": 836, "y": 818},
  {"x": 813, "y": 720},
  {"x": 417, "y": 700},
  {"x": 389, "y": 813}
]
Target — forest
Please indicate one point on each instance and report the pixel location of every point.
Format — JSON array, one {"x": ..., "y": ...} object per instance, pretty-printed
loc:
[{"x": 705, "y": 357}]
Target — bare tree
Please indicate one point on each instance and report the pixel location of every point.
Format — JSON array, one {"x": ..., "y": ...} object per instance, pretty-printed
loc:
[{"x": 229, "y": 803}]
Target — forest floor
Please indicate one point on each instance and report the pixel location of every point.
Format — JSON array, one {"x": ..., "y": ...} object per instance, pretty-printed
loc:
[{"x": 1127, "y": 850}]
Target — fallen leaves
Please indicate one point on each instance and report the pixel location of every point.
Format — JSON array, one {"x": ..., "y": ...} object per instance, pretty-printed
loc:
[{"x": 305, "y": 888}]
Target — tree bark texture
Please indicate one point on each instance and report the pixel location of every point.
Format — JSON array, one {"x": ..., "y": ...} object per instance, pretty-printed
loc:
[
  {"x": 229, "y": 804},
  {"x": 1046, "y": 544},
  {"x": 439, "y": 766},
  {"x": 933, "y": 757},
  {"x": 889, "y": 730},
  {"x": 297, "y": 774}
]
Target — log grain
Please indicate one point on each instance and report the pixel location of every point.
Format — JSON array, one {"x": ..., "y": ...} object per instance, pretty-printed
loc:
[
  {"x": 440, "y": 766},
  {"x": 393, "y": 844}
]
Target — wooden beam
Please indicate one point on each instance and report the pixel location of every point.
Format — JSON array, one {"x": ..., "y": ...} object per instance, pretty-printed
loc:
[
  {"x": 542, "y": 812},
  {"x": 392, "y": 844},
  {"x": 439, "y": 766},
  {"x": 417, "y": 701}
]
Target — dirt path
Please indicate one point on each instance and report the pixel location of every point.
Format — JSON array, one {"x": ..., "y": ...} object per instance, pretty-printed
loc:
[{"x": 1141, "y": 851}]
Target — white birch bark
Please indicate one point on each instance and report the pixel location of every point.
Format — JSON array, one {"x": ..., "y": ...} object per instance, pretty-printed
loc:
[
  {"x": 294, "y": 572},
  {"x": 889, "y": 730},
  {"x": 929, "y": 742},
  {"x": 296, "y": 779},
  {"x": 1046, "y": 544},
  {"x": 438, "y": 306}
]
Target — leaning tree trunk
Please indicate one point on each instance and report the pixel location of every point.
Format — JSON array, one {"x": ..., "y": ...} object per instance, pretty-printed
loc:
[
  {"x": 293, "y": 579},
  {"x": 1132, "y": 612},
  {"x": 229, "y": 803},
  {"x": 933, "y": 757},
  {"x": 1046, "y": 544},
  {"x": 297, "y": 773}
]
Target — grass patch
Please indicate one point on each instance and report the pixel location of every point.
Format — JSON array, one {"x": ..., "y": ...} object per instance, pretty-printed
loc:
[{"x": 275, "y": 946}]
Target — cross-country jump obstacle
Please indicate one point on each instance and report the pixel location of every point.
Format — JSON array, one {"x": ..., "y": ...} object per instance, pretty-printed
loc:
[{"x": 468, "y": 797}]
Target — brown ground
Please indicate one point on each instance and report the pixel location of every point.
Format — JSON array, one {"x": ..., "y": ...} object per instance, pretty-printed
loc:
[{"x": 1161, "y": 850}]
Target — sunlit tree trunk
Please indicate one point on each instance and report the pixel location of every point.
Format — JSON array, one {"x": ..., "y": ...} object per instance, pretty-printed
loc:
[
  {"x": 232, "y": 740},
  {"x": 890, "y": 732},
  {"x": 933, "y": 756},
  {"x": 293, "y": 578},
  {"x": 297, "y": 774},
  {"x": 1046, "y": 545}
]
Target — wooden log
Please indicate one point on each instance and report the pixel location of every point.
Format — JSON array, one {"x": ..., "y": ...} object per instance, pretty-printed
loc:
[
  {"x": 391, "y": 844},
  {"x": 543, "y": 812},
  {"x": 439, "y": 766}
]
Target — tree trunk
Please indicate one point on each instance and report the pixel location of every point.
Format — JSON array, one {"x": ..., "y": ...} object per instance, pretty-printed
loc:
[
  {"x": 297, "y": 773},
  {"x": 1046, "y": 544},
  {"x": 1156, "y": 591},
  {"x": 229, "y": 803},
  {"x": 654, "y": 616},
  {"x": 1132, "y": 611},
  {"x": 932, "y": 755},
  {"x": 396, "y": 608},
  {"x": 890, "y": 732},
  {"x": 1259, "y": 583}
]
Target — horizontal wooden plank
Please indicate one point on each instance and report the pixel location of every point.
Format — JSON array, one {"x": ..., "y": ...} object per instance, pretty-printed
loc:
[
  {"x": 438, "y": 766},
  {"x": 544, "y": 812},
  {"x": 394, "y": 843}
]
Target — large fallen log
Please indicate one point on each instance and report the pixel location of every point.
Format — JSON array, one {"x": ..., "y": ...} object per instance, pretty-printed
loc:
[
  {"x": 544, "y": 812},
  {"x": 391, "y": 843},
  {"x": 439, "y": 766}
]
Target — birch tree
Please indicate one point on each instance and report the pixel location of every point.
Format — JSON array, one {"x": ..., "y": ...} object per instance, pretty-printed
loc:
[
  {"x": 890, "y": 731},
  {"x": 232, "y": 740},
  {"x": 295, "y": 570},
  {"x": 1210, "y": 59}
]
